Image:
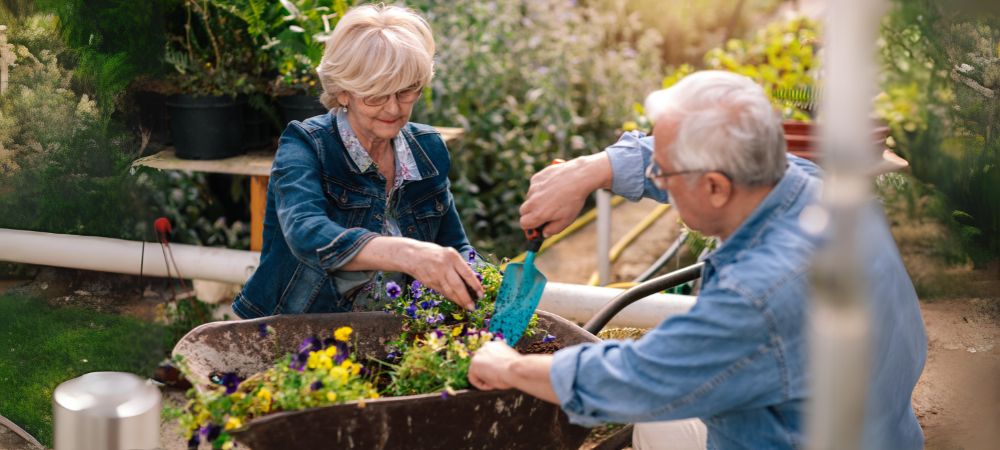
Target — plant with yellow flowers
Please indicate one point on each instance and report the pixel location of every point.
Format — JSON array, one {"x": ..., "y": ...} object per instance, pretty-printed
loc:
[{"x": 322, "y": 372}]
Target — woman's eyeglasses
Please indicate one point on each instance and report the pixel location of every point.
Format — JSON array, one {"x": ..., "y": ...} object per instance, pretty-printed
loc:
[{"x": 408, "y": 95}]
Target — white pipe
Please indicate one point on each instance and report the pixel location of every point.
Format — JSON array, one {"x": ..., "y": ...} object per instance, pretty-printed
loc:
[
  {"x": 575, "y": 302},
  {"x": 128, "y": 257},
  {"x": 578, "y": 303}
]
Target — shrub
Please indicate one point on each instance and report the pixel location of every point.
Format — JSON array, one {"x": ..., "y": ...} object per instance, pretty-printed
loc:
[
  {"x": 529, "y": 82},
  {"x": 64, "y": 169}
]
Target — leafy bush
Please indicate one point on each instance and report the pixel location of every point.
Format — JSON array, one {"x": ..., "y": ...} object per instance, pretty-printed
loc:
[
  {"x": 65, "y": 169},
  {"x": 942, "y": 100},
  {"x": 529, "y": 82}
]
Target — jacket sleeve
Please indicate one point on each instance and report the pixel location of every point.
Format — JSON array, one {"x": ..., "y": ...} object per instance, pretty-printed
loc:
[
  {"x": 302, "y": 206},
  {"x": 717, "y": 357},
  {"x": 629, "y": 158}
]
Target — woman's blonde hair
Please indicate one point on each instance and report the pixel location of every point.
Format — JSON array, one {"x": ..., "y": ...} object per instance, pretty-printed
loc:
[{"x": 376, "y": 50}]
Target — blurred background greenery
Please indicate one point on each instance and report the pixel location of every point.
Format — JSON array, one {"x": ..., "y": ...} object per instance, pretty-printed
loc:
[{"x": 529, "y": 81}]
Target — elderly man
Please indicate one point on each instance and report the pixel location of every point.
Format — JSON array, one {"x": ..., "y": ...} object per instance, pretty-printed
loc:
[{"x": 735, "y": 364}]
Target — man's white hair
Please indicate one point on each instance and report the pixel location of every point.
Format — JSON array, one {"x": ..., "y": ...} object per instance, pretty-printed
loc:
[{"x": 725, "y": 123}]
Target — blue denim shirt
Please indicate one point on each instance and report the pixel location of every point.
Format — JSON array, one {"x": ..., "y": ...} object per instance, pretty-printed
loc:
[
  {"x": 738, "y": 359},
  {"x": 322, "y": 209}
]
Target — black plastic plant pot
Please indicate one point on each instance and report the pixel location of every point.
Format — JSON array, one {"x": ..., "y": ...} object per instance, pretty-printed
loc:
[
  {"x": 258, "y": 130},
  {"x": 468, "y": 419},
  {"x": 152, "y": 110},
  {"x": 300, "y": 107},
  {"x": 206, "y": 127}
]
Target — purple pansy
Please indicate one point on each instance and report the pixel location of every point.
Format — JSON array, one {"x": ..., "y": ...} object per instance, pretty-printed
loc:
[
  {"x": 262, "y": 330},
  {"x": 416, "y": 289},
  {"x": 411, "y": 311},
  {"x": 393, "y": 290},
  {"x": 472, "y": 256},
  {"x": 317, "y": 385},
  {"x": 548, "y": 338},
  {"x": 310, "y": 344},
  {"x": 426, "y": 304},
  {"x": 231, "y": 381}
]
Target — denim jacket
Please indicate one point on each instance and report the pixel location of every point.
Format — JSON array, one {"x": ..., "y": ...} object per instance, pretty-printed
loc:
[
  {"x": 322, "y": 210},
  {"x": 738, "y": 359}
]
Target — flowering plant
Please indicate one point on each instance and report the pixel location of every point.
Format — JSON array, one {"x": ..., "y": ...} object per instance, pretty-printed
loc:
[
  {"x": 432, "y": 354},
  {"x": 322, "y": 372}
]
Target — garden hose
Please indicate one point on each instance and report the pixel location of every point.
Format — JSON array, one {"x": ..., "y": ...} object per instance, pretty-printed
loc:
[
  {"x": 579, "y": 223},
  {"x": 665, "y": 257},
  {"x": 630, "y": 237},
  {"x": 658, "y": 284}
]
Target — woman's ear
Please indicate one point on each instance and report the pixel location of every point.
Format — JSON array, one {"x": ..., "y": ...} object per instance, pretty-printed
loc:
[{"x": 343, "y": 98}]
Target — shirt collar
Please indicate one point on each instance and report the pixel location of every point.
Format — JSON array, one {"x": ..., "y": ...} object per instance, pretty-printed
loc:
[
  {"x": 780, "y": 199},
  {"x": 406, "y": 166}
]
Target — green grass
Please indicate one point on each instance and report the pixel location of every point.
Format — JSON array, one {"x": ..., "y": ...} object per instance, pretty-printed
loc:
[{"x": 43, "y": 346}]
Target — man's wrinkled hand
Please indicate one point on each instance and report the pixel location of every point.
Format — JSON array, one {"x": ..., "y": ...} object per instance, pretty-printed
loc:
[
  {"x": 558, "y": 192},
  {"x": 491, "y": 365}
]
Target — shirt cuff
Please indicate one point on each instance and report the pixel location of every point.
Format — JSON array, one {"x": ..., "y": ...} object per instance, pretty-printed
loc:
[
  {"x": 562, "y": 375},
  {"x": 627, "y": 165}
]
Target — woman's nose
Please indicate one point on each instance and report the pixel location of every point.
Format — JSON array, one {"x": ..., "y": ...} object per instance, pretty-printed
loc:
[{"x": 392, "y": 106}]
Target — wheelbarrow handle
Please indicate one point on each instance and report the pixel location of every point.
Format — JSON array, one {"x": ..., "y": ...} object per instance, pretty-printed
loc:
[{"x": 640, "y": 291}]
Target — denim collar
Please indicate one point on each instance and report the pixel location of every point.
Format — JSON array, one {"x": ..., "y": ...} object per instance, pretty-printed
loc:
[
  {"x": 406, "y": 164},
  {"x": 782, "y": 196}
]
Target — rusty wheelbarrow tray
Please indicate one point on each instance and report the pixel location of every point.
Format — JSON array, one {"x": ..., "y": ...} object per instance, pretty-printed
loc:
[{"x": 469, "y": 419}]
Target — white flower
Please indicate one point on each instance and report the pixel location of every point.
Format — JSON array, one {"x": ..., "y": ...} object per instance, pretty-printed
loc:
[
  {"x": 296, "y": 28},
  {"x": 290, "y": 7}
]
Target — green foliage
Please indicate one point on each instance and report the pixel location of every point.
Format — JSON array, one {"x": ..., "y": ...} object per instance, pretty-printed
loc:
[
  {"x": 941, "y": 80},
  {"x": 45, "y": 346},
  {"x": 781, "y": 58},
  {"x": 692, "y": 27},
  {"x": 212, "y": 55},
  {"x": 292, "y": 33},
  {"x": 65, "y": 169},
  {"x": 111, "y": 42},
  {"x": 186, "y": 200},
  {"x": 529, "y": 82}
]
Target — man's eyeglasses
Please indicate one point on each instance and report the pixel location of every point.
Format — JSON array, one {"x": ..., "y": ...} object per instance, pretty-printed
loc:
[
  {"x": 659, "y": 177},
  {"x": 408, "y": 95}
]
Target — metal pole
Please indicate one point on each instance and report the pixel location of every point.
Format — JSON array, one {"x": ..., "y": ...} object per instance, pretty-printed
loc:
[
  {"x": 840, "y": 322},
  {"x": 603, "y": 236}
]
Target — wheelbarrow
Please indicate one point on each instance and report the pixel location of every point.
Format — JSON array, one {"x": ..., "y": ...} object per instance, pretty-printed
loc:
[{"x": 469, "y": 419}]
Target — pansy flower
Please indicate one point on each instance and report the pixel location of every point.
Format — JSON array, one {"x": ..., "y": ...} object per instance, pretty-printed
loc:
[
  {"x": 231, "y": 381},
  {"x": 317, "y": 385},
  {"x": 416, "y": 289},
  {"x": 263, "y": 330},
  {"x": 548, "y": 338},
  {"x": 393, "y": 290},
  {"x": 411, "y": 311}
]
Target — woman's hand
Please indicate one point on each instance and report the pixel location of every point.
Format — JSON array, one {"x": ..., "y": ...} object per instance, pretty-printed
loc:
[
  {"x": 440, "y": 268},
  {"x": 444, "y": 270},
  {"x": 558, "y": 192}
]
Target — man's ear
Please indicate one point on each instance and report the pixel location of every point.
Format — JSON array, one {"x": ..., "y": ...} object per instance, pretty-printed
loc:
[{"x": 720, "y": 189}]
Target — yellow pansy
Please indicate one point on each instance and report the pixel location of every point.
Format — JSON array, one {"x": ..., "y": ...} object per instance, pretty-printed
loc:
[
  {"x": 331, "y": 351},
  {"x": 228, "y": 445},
  {"x": 630, "y": 126},
  {"x": 331, "y": 396},
  {"x": 233, "y": 422},
  {"x": 456, "y": 331},
  {"x": 342, "y": 334}
]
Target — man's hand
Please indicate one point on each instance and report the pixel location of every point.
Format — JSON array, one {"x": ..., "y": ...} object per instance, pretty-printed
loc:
[
  {"x": 558, "y": 192},
  {"x": 491, "y": 364}
]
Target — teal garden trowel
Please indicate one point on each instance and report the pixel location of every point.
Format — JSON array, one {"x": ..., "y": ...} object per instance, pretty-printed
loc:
[{"x": 519, "y": 294}]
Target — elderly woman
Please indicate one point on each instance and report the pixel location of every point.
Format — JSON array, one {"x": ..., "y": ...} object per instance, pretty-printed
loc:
[{"x": 360, "y": 196}]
